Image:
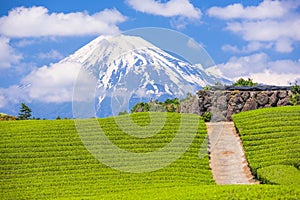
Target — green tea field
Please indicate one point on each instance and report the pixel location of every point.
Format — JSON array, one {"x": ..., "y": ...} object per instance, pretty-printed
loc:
[
  {"x": 271, "y": 140},
  {"x": 48, "y": 159}
]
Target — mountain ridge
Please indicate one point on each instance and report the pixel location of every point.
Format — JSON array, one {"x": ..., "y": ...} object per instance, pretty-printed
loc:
[{"x": 140, "y": 68}]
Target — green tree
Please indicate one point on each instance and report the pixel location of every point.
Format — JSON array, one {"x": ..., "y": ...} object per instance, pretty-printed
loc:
[
  {"x": 295, "y": 96},
  {"x": 25, "y": 112},
  {"x": 207, "y": 87},
  {"x": 243, "y": 82},
  {"x": 140, "y": 107},
  {"x": 171, "y": 105}
]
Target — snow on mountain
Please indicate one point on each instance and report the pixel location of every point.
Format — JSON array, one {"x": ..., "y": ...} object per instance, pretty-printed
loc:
[{"x": 140, "y": 69}]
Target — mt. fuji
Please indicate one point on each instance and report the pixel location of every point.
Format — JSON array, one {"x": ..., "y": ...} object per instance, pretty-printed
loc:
[{"x": 134, "y": 67}]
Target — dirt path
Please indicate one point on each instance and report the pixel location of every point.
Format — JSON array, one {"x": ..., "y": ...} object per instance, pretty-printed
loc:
[{"x": 227, "y": 158}]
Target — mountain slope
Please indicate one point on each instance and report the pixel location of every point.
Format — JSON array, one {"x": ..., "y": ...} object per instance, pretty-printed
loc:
[{"x": 142, "y": 70}]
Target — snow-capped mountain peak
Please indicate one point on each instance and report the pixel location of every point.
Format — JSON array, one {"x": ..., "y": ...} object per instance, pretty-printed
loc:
[
  {"x": 143, "y": 69},
  {"x": 108, "y": 48}
]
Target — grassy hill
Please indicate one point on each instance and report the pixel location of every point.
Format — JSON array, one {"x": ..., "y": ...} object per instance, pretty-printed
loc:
[
  {"x": 271, "y": 140},
  {"x": 47, "y": 160}
]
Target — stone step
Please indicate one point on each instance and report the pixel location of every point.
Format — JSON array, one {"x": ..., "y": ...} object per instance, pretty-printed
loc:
[{"x": 227, "y": 158}]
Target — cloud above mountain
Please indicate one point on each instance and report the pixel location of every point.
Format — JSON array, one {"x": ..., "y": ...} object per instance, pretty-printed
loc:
[
  {"x": 38, "y": 21},
  {"x": 52, "y": 83},
  {"x": 265, "y": 10},
  {"x": 274, "y": 22},
  {"x": 182, "y": 12},
  {"x": 261, "y": 69},
  {"x": 49, "y": 84},
  {"x": 171, "y": 8}
]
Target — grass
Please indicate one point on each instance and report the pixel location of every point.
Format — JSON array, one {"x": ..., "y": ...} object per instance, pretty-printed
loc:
[
  {"x": 47, "y": 160},
  {"x": 271, "y": 140}
]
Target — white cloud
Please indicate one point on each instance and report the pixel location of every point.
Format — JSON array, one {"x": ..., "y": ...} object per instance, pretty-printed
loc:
[
  {"x": 37, "y": 21},
  {"x": 285, "y": 66},
  {"x": 56, "y": 83},
  {"x": 274, "y": 22},
  {"x": 52, "y": 83},
  {"x": 284, "y": 45},
  {"x": 260, "y": 69},
  {"x": 179, "y": 22},
  {"x": 171, "y": 8},
  {"x": 3, "y": 102},
  {"x": 24, "y": 43},
  {"x": 266, "y": 9},
  {"x": 267, "y": 30},
  {"x": 255, "y": 46},
  {"x": 12, "y": 95},
  {"x": 274, "y": 78},
  {"x": 230, "y": 48},
  {"x": 8, "y": 55},
  {"x": 283, "y": 33},
  {"x": 250, "y": 47},
  {"x": 242, "y": 66},
  {"x": 52, "y": 54}
]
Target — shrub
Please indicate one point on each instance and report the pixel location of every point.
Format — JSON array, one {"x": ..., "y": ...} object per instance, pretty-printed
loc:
[
  {"x": 207, "y": 87},
  {"x": 140, "y": 107},
  {"x": 295, "y": 96},
  {"x": 243, "y": 82},
  {"x": 207, "y": 116}
]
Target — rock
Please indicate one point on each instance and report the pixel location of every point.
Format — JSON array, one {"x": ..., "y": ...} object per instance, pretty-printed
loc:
[
  {"x": 224, "y": 113},
  {"x": 236, "y": 99},
  {"x": 232, "y": 109},
  {"x": 273, "y": 99},
  {"x": 207, "y": 102},
  {"x": 228, "y": 95},
  {"x": 250, "y": 105},
  {"x": 269, "y": 93},
  {"x": 283, "y": 102},
  {"x": 239, "y": 106},
  {"x": 282, "y": 94},
  {"x": 222, "y": 103},
  {"x": 190, "y": 106},
  {"x": 253, "y": 95},
  {"x": 262, "y": 99},
  {"x": 216, "y": 115},
  {"x": 245, "y": 95},
  {"x": 227, "y": 103}
]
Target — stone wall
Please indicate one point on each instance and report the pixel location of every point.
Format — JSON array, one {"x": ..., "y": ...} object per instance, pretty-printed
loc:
[{"x": 223, "y": 104}]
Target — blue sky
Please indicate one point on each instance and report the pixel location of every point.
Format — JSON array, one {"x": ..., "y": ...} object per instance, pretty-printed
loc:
[{"x": 256, "y": 39}]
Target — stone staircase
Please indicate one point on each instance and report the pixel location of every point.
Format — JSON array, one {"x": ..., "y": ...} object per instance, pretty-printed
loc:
[{"x": 227, "y": 158}]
